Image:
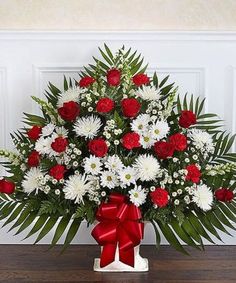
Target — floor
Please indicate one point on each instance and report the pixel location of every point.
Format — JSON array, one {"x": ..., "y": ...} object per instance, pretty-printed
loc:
[{"x": 28, "y": 263}]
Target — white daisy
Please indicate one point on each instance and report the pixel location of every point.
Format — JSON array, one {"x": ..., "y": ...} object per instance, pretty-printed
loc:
[
  {"x": 147, "y": 167},
  {"x": 159, "y": 130},
  {"x": 146, "y": 140},
  {"x": 32, "y": 180},
  {"x": 72, "y": 94},
  {"x": 141, "y": 123},
  {"x": 114, "y": 163},
  {"x": 92, "y": 165},
  {"x": 137, "y": 195},
  {"x": 76, "y": 187},
  {"x": 127, "y": 176},
  {"x": 48, "y": 130},
  {"x": 148, "y": 93},
  {"x": 203, "y": 197},
  {"x": 62, "y": 132},
  {"x": 109, "y": 179},
  {"x": 43, "y": 145},
  {"x": 88, "y": 127},
  {"x": 202, "y": 140}
]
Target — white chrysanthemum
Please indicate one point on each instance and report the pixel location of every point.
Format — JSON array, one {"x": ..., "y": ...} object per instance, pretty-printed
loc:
[
  {"x": 88, "y": 127},
  {"x": 146, "y": 140},
  {"x": 148, "y": 93},
  {"x": 109, "y": 180},
  {"x": 202, "y": 140},
  {"x": 32, "y": 180},
  {"x": 92, "y": 165},
  {"x": 43, "y": 145},
  {"x": 203, "y": 197},
  {"x": 137, "y": 195},
  {"x": 114, "y": 163},
  {"x": 76, "y": 187},
  {"x": 147, "y": 167},
  {"x": 140, "y": 124},
  {"x": 127, "y": 176},
  {"x": 159, "y": 130},
  {"x": 72, "y": 94},
  {"x": 48, "y": 130}
]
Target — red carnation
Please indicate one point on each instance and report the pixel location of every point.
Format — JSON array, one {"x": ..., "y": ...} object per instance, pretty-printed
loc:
[
  {"x": 57, "y": 172},
  {"x": 34, "y": 132},
  {"x": 7, "y": 187},
  {"x": 98, "y": 147},
  {"x": 187, "y": 118},
  {"x": 194, "y": 173},
  {"x": 33, "y": 159},
  {"x": 113, "y": 77},
  {"x": 179, "y": 141},
  {"x": 130, "y": 107},
  {"x": 224, "y": 194},
  {"x": 160, "y": 197},
  {"x": 69, "y": 111},
  {"x": 105, "y": 105},
  {"x": 140, "y": 79},
  {"x": 59, "y": 145},
  {"x": 164, "y": 149},
  {"x": 86, "y": 81},
  {"x": 131, "y": 140}
]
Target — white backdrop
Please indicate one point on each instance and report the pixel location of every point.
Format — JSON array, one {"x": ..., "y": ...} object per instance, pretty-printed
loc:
[{"x": 202, "y": 63}]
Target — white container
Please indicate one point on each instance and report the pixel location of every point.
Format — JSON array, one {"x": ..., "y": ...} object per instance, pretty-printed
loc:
[{"x": 140, "y": 264}]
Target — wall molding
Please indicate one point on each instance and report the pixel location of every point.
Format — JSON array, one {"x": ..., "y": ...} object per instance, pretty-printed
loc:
[{"x": 120, "y": 35}]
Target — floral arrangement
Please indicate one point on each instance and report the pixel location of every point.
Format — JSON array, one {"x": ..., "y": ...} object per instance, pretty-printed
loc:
[{"x": 121, "y": 147}]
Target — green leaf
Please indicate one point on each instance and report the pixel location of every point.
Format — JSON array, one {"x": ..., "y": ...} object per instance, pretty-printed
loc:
[
  {"x": 21, "y": 218},
  {"x": 27, "y": 222},
  {"x": 46, "y": 228},
  {"x": 72, "y": 232},
  {"x": 198, "y": 227},
  {"x": 171, "y": 238},
  {"x": 183, "y": 235},
  {"x": 60, "y": 229},
  {"x": 158, "y": 237},
  {"x": 65, "y": 84},
  {"x": 163, "y": 81},
  {"x": 38, "y": 225},
  {"x": 15, "y": 214}
]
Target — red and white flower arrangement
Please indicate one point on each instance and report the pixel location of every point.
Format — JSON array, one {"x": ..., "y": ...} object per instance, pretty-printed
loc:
[{"x": 121, "y": 140}]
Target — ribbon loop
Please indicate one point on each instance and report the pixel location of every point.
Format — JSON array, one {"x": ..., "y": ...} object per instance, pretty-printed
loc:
[{"x": 119, "y": 226}]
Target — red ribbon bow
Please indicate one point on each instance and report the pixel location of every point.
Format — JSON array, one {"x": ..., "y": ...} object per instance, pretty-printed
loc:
[{"x": 119, "y": 224}]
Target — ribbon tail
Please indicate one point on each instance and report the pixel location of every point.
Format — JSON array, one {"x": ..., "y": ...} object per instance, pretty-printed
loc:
[
  {"x": 127, "y": 256},
  {"x": 108, "y": 254}
]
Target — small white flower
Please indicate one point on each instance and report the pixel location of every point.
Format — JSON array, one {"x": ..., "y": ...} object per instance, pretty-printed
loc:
[
  {"x": 203, "y": 197},
  {"x": 48, "y": 130},
  {"x": 57, "y": 192},
  {"x": 109, "y": 180},
  {"x": 159, "y": 130},
  {"x": 72, "y": 94},
  {"x": 141, "y": 123},
  {"x": 176, "y": 202},
  {"x": 88, "y": 127},
  {"x": 114, "y": 163},
  {"x": 137, "y": 195},
  {"x": 147, "y": 167},
  {"x": 174, "y": 194},
  {"x": 32, "y": 180},
  {"x": 148, "y": 93},
  {"x": 76, "y": 187},
  {"x": 92, "y": 165},
  {"x": 127, "y": 176}
]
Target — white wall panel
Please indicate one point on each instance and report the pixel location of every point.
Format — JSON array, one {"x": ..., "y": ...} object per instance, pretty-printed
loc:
[{"x": 202, "y": 64}]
